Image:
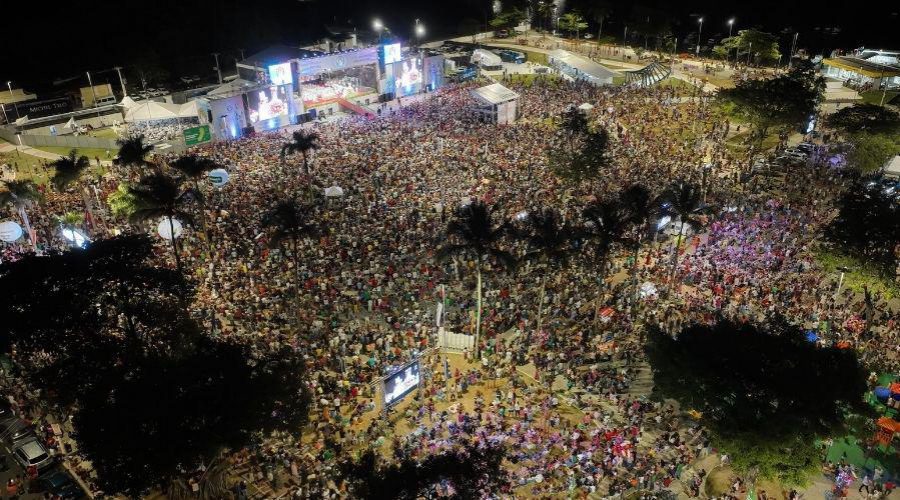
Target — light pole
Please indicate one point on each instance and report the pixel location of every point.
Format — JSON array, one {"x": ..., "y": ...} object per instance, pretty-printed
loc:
[
  {"x": 749, "y": 51},
  {"x": 420, "y": 32},
  {"x": 15, "y": 106},
  {"x": 121, "y": 81},
  {"x": 625, "y": 38},
  {"x": 93, "y": 93},
  {"x": 218, "y": 69},
  {"x": 700, "y": 32},
  {"x": 378, "y": 27},
  {"x": 730, "y": 25},
  {"x": 791, "y": 55}
]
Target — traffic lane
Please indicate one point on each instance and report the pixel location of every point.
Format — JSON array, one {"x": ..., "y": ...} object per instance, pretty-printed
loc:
[{"x": 12, "y": 470}]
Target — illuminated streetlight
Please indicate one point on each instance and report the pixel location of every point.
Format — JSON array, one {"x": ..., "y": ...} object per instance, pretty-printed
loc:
[
  {"x": 420, "y": 29},
  {"x": 730, "y": 25},
  {"x": 698, "y": 36},
  {"x": 377, "y": 25}
]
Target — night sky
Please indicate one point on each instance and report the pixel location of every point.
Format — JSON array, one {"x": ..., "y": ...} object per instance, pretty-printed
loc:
[{"x": 65, "y": 40}]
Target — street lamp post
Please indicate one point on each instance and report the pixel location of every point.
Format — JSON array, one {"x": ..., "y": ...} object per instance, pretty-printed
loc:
[
  {"x": 700, "y": 32},
  {"x": 93, "y": 93},
  {"x": 791, "y": 55},
  {"x": 13, "y": 97},
  {"x": 730, "y": 25},
  {"x": 420, "y": 32},
  {"x": 376, "y": 24}
]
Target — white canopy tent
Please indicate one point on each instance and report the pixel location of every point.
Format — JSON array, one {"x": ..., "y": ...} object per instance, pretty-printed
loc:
[
  {"x": 486, "y": 58},
  {"x": 127, "y": 102},
  {"x": 580, "y": 68},
  {"x": 497, "y": 104},
  {"x": 586, "y": 107},
  {"x": 892, "y": 169},
  {"x": 71, "y": 124},
  {"x": 334, "y": 192},
  {"x": 150, "y": 111}
]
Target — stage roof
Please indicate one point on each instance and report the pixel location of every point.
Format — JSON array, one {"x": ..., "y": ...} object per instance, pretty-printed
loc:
[
  {"x": 277, "y": 54},
  {"x": 494, "y": 94},
  {"x": 863, "y": 67},
  {"x": 582, "y": 64}
]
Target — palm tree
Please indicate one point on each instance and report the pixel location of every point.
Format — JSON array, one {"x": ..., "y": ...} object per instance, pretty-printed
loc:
[
  {"x": 133, "y": 152},
  {"x": 161, "y": 196},
  {"x": 606, "y": 223},
  {"x": 289, "y": 221},
  {"x": 641, "y": 208},
  {"x": 195, "y": 167},
  {"x": 21, "y": 194},
  {"x": 68, "y": 169},
  {"x": 685, "y": 201},
  {"x": 71, "y": 221},
  {"x": 303, "y": 142},
  {"x": 552, "y": 243},
  {"x": 472, "y": 231}
]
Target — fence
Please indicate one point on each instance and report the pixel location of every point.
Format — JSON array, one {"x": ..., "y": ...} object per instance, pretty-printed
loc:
[
  {"x": 68, "y": 141},
  {"x": 455, "y": 341}
]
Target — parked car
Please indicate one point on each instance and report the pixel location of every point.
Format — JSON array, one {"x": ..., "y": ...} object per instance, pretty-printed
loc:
[
  {"x": 31, "y": 452},
  {"x": 10, "y": 426},
  {"x": 61, "y": 483},
  {"x": 18, "y": 431}
]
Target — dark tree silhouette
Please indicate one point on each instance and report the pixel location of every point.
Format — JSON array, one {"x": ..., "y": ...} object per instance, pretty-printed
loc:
[
  {"x": 302, "y": 142},
  {"x": 685, "y": 202},
  {"x": 552, "y": 242},
  {"x": 762, "y": 391},
  {"x": 133, "y": 153},
  {"x": 605, "y": 227},
  {"x": 864, "y": 117},
  {"x": 867, "y": 226},
  {"x": 642, "y": 209},
  {"x": 160, "y": 196},
  {"x": 68, "y": 169},
  {"x": 195, "y": 167},
  {"x": 470, "y": 472},
  {"x": 474, "y": 232},
  {"x": 290, "y": 222}
]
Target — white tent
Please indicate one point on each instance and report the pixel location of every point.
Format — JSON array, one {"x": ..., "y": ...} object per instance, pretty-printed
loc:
[
  {"x": 189, "y": 110},
  {"x": 892, "y": 169},
  {"x": 334, "y": 192},
  {"x": 234, "y": 86},
  {"x": 22, "y": 121},
  {"x": 486, "y": 58},
  {"x": 127, "y": 102},
  {"x": 586, "y": 107},
  {"x": 151, "y": 110},
  {"x": 71, "y": 125},
  {"x": 580, "y": 68}
]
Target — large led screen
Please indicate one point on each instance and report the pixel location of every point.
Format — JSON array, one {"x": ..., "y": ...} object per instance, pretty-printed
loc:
[
  {"x": 269, "y": 107},
  {"x": 280, "y": 74},
  {"x": 401, "y": 383},
  {"x": 392, "y": 53},
  {"x": 405, "y": 77}
]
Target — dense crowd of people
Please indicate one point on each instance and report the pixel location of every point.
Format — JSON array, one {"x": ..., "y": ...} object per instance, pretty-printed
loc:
[{"x": 564, "y": 401}]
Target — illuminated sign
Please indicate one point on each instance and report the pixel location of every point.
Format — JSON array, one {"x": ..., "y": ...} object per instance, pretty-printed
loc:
[
  {"x": 392, "y": 53},
  {"x": 280, "y": 74}
]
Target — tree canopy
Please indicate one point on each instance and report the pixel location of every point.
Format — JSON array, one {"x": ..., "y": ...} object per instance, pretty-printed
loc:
[
  {"x": 865, "y": 117},
  {"x": 573, "y": 22},
  {"x": 105, "y": 334},
  {"x": 509, "y": 18},
  {"x": 786, "y": 100},
  {"x": 763, "y": 47},
  {"x": 763, "y": 391},
  {"x": 868, "y": 225}
]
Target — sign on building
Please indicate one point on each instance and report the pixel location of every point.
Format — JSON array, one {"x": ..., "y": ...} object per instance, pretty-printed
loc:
[{"x": 197, "y": 135}]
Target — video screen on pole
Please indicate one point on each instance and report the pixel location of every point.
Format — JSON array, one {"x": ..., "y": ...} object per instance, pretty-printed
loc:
[
  {"x": 392, "y": 53},
  {"x": 405, "y": 77},
  {"x": 280, "y": 74},
  {"x": 401, "y": 383},
  {"x": 269, "y": 105}
]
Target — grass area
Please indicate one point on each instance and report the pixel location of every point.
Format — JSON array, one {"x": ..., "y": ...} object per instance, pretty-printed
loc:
[
  {"x": 529, "y": 79},
  {"x": 861, "y": 274},
  {"x": 874, "y": 96},
  {"x": 26, "y": 166},
  {"x": 737, "y": 144},
  {"x": 91, "y": 153},
  {"x": 618, "y": 80},
  {"x": 104, "y": 133},
  {"x": 536, "y": 57}
]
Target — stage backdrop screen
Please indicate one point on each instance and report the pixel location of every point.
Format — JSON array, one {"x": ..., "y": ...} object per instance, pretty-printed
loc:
[
  {"x": 392, "y": 53},
  {"x": 269, "y": 107},
  {"x": 280, "y": 74},
  {"x": 401, "y": 383},
  {"x": 405, "y": 77}
]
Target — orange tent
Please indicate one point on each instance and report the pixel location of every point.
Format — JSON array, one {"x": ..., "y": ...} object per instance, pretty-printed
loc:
[{"x": 887, "y": 427}]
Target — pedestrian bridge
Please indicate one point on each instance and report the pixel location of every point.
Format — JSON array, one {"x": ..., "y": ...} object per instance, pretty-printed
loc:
[{"x": 649, "y": 75}]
